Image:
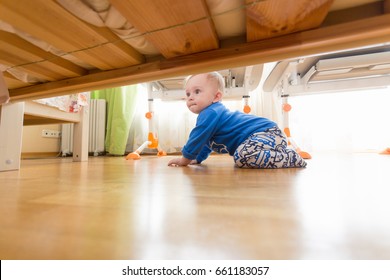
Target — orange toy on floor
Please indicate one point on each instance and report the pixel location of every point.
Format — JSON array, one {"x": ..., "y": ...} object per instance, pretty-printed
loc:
[{"x": 152, "y": 141}]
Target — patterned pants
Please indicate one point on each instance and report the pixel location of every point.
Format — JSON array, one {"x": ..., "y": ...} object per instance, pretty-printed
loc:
[{"x": 267, "y": 149}]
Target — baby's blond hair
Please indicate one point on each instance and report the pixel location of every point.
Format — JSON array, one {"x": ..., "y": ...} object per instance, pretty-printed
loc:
[{"x": 212, "y": 76}]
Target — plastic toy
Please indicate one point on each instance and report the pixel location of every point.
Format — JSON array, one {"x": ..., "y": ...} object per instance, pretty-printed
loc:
[
  {"x": 152, "y": 141},
  {"x": 247, "y": 109}
]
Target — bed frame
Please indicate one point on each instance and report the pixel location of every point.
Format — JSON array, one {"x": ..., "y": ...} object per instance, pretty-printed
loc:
[{"x": 14, "y": 116}]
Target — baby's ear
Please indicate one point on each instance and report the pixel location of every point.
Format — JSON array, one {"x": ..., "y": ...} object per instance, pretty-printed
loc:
[{"x": 218, "y": 97}]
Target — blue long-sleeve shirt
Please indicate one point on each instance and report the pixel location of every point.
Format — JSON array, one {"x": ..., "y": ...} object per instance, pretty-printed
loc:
[{"x": 220, "y": 130}]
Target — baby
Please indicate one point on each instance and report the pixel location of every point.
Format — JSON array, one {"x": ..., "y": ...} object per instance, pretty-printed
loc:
[{"x": 254, "y": 142}]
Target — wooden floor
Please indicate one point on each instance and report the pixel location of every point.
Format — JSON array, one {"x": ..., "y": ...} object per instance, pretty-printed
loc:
[{"x": 110, "y": 208}]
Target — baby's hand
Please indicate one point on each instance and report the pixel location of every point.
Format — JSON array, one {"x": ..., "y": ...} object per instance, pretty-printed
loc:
[{"x": 179, "y": 162}]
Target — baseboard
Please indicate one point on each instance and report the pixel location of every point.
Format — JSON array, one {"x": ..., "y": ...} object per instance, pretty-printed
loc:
[{"x": 32, "y": 155}]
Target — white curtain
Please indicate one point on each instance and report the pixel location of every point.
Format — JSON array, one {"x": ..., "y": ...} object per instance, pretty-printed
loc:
[{"x": 356, "y": 121}]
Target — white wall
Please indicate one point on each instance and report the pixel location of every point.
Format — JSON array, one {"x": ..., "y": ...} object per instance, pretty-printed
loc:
[{"x": 33, "y": 142}]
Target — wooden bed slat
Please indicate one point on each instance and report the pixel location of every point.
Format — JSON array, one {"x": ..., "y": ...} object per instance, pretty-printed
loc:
[
  {"x": 185, "y": 28},
  {"x": 15, "y": 51},
  {"x": 266, "y": 19},
  {"x": 13, "y": 82},
  {"x": 48, "y": 21},
  {"x": 184, "y": 40}
]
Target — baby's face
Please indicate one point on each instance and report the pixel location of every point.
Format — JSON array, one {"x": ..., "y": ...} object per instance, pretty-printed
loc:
[{"x": 201, "y": 92}]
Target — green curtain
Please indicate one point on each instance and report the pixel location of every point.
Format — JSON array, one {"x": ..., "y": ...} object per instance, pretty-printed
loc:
[{"x": 120, "y": 113}]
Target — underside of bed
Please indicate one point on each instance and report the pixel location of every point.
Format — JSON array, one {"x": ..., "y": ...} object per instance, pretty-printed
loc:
[{"x": 52, "y": 48}]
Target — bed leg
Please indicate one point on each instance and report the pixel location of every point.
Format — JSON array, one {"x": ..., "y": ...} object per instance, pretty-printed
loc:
[
  {"x": 80, "y": 136},
  {"x": 11, "y": 129}
]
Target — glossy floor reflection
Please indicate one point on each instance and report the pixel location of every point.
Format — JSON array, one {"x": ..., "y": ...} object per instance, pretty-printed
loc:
[{"x": 110, "y": 208}]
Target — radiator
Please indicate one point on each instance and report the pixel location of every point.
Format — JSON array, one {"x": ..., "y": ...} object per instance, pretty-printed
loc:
[{"x": 97, "y": 130}]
